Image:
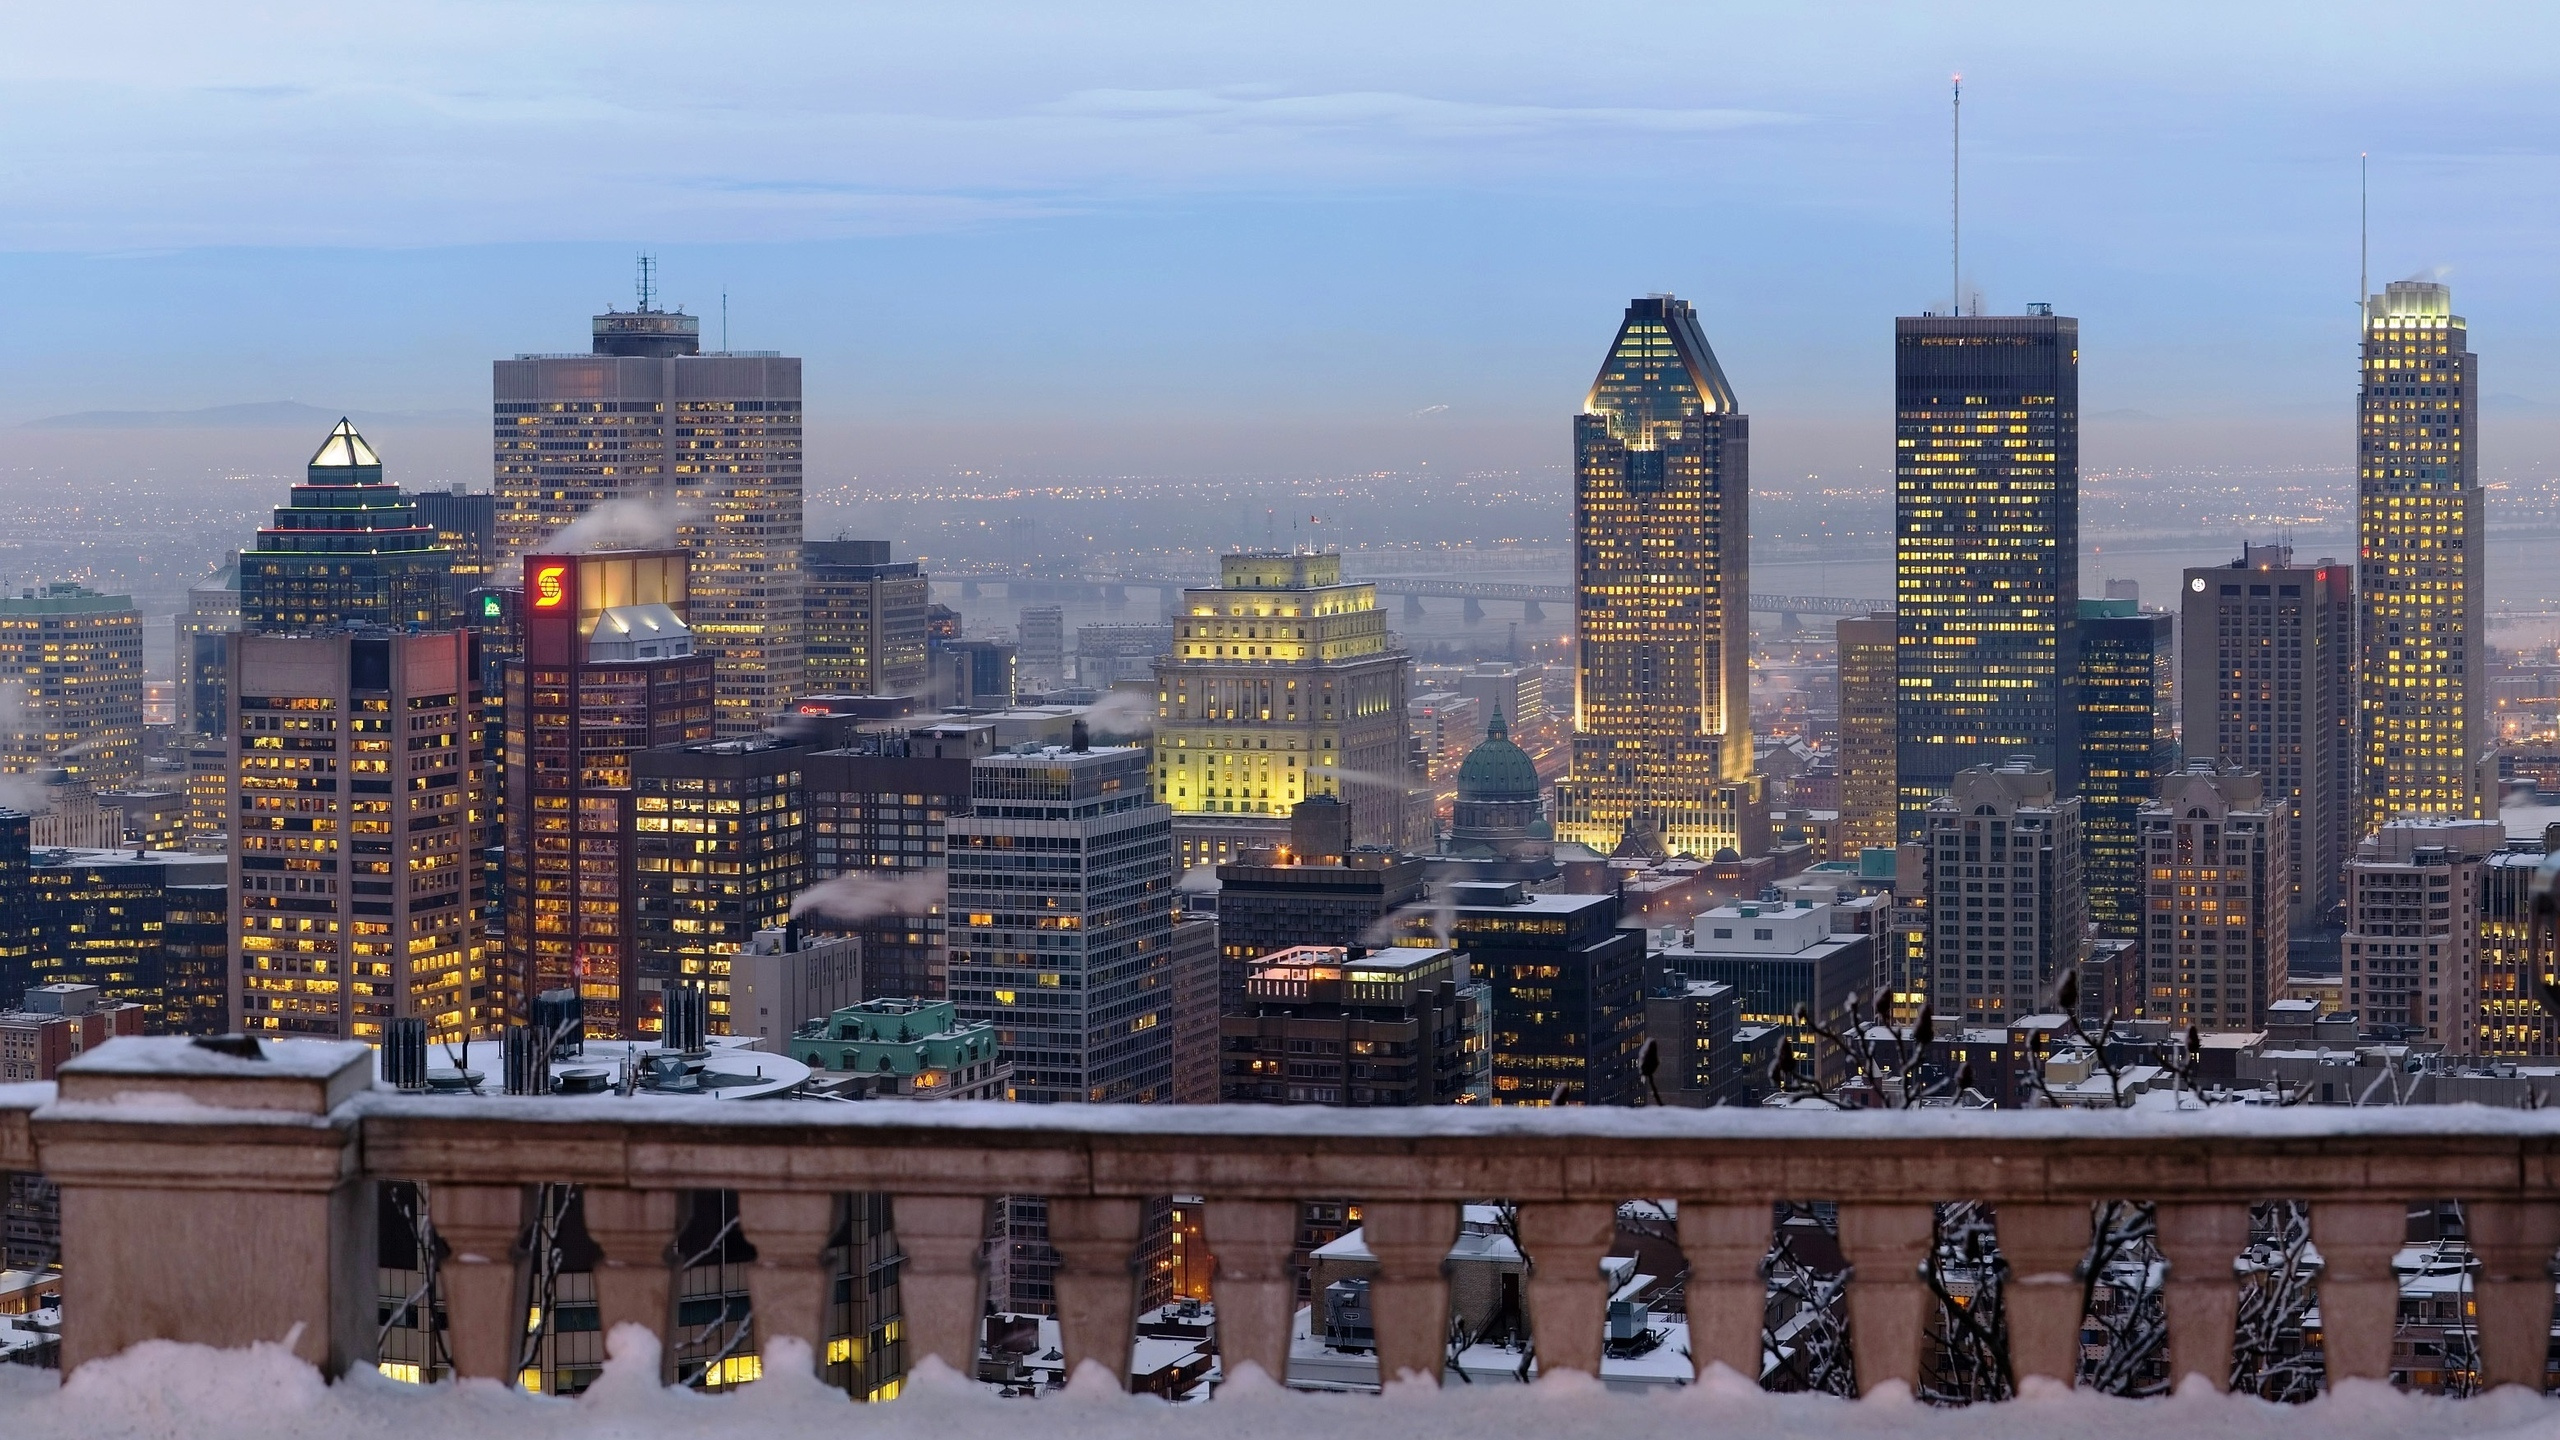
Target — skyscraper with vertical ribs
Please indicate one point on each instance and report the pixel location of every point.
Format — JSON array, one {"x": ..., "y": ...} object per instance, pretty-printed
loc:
[
  {"x": 709, "y": 444},
  {"x": 2420, "y": 552},
  {"x": 1662, "y": 595},
  {"x": 1986, "y": 547}
]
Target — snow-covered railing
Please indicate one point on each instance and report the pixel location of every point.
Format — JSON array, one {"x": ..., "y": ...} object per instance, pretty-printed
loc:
[{"x": 222, "y": 1199}]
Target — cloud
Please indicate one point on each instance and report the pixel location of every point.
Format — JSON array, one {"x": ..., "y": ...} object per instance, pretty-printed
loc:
[{"x": 857, "y": 896}]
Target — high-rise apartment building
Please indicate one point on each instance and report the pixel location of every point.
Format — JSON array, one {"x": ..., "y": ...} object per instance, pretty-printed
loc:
[
  {"x": 720, "y": 853},
  {"x": 705, "y": 444},
  {"x": 354, "y": 892},
  {"x": 866, "y": 633},
  {"x": 2267, "y": 682},
  {"x": 2422, "y": 552},
  {"x": 1283, "y": 683},
  {"x": 2002, "y": 861},
  {"x": 1061, "y": 917},
  {"x": 878, "y": 811},
  {"x": 346, "y": 549},
  {"x": 2413, "y": 941},
  {"x": 213, "y": 611},
  {"x": 1868, "y": 697},
  {"x": 71, "y": 685},
  {"x": 608, "y": 671},
  {"x": 1662, "y": 598},
  {"x": 1986, "y": 547},
  {"x": 2216, "y": 921},
  {"x": 2128, "y": 740}
]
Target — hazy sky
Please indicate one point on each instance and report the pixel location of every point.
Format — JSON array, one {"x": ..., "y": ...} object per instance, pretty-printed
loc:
[{"x": 1254, "y": 236}]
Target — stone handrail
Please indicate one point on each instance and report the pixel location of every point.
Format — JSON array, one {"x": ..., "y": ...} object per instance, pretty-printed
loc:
[{"x": 216, "y": 1199}]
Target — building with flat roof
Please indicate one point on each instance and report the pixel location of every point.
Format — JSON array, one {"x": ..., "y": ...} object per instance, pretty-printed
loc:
[
  {"x": 2215, "y": 936},
  {"x": 865, "y": 620},
  {"x": 2007, "y": 908},
  {"x": 718, "y": 855},
  {"x": 213, "y": 611},
  {"x": 1315, "y": 889},
  {"x": 787, "y": 978},
  {"x": 878, "y": 812},
  {"x": 1695, "y": 1028},
  {"x": 71, "y": 684},
  {"x": 2128, "y": 741},
  {"x": 1568, "y": 987},
  {"x": 1356, "y": 1026},
  {"x": 2414, "y": 894},
  {"x": 1868, "y": 697},
  {"x": 1780, "y": 959}
]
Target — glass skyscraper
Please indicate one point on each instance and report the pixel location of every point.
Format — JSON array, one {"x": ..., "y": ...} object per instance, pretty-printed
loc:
[
  {"x": 348, "y": 550},
  {"x": 2420, "y": 549},
  {"x": 1986, "y": 547},
  {"x": 1662, "y": 598},
  {"x": 2126, "y": 746}
]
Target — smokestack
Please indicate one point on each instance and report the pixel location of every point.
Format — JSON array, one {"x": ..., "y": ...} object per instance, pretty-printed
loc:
[{"x": 1079, "y": 739}]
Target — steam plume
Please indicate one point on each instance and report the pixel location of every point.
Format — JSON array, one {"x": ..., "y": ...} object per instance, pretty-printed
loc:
[
  {"x": 851, "y": 897},
  {"x": 627, "y": 524}
]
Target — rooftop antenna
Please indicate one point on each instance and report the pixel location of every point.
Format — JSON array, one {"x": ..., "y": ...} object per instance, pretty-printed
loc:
[
  {"x": 1955, "y": 202},
  {"x": 648, "y": 281},
  {"x": 724, "y": 322},
  {"x": 2364, "y": 237}
]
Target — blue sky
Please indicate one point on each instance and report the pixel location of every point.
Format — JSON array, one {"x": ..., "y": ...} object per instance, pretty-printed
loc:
[{"x": 1251, "y": 237}]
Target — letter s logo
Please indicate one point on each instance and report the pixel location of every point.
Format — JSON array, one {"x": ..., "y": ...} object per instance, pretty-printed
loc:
[{"x": 547, "y": 589}]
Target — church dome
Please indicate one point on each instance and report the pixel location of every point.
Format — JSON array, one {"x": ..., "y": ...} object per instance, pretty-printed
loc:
[{"x": 1497, "y": 770}]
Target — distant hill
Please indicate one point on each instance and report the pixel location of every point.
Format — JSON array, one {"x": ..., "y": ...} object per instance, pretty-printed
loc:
[{"x": 261, "y": 415}]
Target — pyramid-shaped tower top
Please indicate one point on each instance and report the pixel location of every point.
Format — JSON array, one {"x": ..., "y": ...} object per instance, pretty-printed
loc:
[
  {"x": 1659, "y": 373},
  {"x": 344, "y": 449}
]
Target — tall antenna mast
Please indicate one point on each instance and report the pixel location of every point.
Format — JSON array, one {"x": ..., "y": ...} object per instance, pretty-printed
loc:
[
  {"x": 724, "y": 322},
  {"x": 2364, "y": 239},
  {"x": 1955, "y": 202},
  {"x": 648, "y": 281}
]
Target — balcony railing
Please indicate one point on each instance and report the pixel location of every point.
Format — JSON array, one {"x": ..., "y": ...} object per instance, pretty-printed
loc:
[{"x": 219, "y": 1199}]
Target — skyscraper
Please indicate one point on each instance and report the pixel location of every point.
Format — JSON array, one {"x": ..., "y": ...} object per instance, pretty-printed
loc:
[
  {"x": 1662, "y": 597},
  {"x": 353, "y": 886},
  {"x": 2121, "y": 690},
  {"x": 2214, "y": 932},
  {"x": 346, "y": 549},
  {"x": 865, "y": 620},
  {"x": 608, "y": 671},
  {"x": 721, "y": 853},
  {"x": 71, "y": 684},
  {"x": 2006, "y": 905},
  {"x": 2421, "y": 549},
  {"x": 705, "y": 445},
  {"x": 2414, "y": 891},
  {"x": 213, "y": 611},
  {"x": 1283, "y": 683},
  {"x": 1867, "y": 700},
  {"x": 2267, "y": 682},
  {"x": 1986, "y": 547}
]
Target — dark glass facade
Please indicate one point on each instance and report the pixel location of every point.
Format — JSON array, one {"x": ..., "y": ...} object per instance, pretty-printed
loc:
[
  {"x": 1568, "y": 993},
  {"x": 1986, "y": 548},
  {"x": 2126, "y": 744},
  {"x": 348, "y": 549}
]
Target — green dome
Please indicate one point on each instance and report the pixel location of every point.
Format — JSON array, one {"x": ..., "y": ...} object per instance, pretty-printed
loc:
[{"x": 1497, "y": 770}]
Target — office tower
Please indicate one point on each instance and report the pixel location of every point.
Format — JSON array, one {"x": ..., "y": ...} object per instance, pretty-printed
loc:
[
  {"x": 1787, "y": 964},
  {"x": 1868, "y": 700},
  {"x": 346, "y": 549},
  {"x": 102, "y": 918},
  {"x": 17, "y": 910},
  {"x": 71, "y": 685},
  {"x": 1195, "y": 1008},
  {"x": 865, "y": 620},
  {"x": 977, "y": 674},
  {"x": 608, "y": 671},
  {"x": 2515, "y": 945},
  {"x": 195, "y": 966},
  {"x": 1986, "y": 548},
  {"x": 1323, "y": 1025},
  {"x": 719, "y": 853},
  {"x": 1568, "y": 988},
  {"x": 466, "y": 525},
  {"x": 2267, "y": 682},
  {"x": 1109, "y": 654},
  {"x": 1317, "y": 888},
  {"x": 1662, "y": 598},
  {"x": 2002, "y": 858},
  {"x": 2413, "y": 929},
  {"x": 1041, "y": 640},
  {"x": 2127, "y": 742},
  {"x": 1518, "y": 693},
  {"x": 352, "y": 882},
  {"x": 2216, "y": 927},
  {"x": 707, "y": 444},
  {"x": 1284, "y": 683},
  {"x": 877, "y": 812},
  {"x": 2423, "y": 728},
  {"x": 1062, "y": 922},
  {"x": 213, "y": 611}
]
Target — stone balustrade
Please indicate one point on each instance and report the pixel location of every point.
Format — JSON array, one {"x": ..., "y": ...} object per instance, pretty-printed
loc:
[{"x": 218, "y": 1199}]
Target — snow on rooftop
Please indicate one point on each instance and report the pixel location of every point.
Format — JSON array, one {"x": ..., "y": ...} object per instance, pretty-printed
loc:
[{"x": 164, "y": 1389}]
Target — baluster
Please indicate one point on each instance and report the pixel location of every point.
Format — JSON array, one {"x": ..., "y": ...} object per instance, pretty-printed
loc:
[
  {"x": 1097, "y": 1243},
  {"x": 1409, "y": 1299},
  {"x": 2514, "y": 1240},
  {"x": 2200, "y": 1241},
  {"x": 484, "y": 1299},
  {"x": 2044, "y": 1245},
  {"x": 1889, "y": 1306},
  {"x": 1727, "y": 1247},
  {"x": 942, "y": 1280},
  {"x": 790, "y": 1282},
  {"x": 1253, "y": 1243},
  {"x": 2359, "y": 1293},
  {"x": 1568, "y": 1298},
  {"x": 635, "y": 1282}
]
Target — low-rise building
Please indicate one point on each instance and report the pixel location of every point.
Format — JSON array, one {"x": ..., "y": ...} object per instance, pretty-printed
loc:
[
  {"x": 784, "y": 980},
  {"x": 57, "y": 1022},
  {"x": 1781, "y": 960},
  {"x": 1695, "y": 1026},
  {"x": 910, "y": 1049},
  {"x": 1359, "y": 1027}
]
